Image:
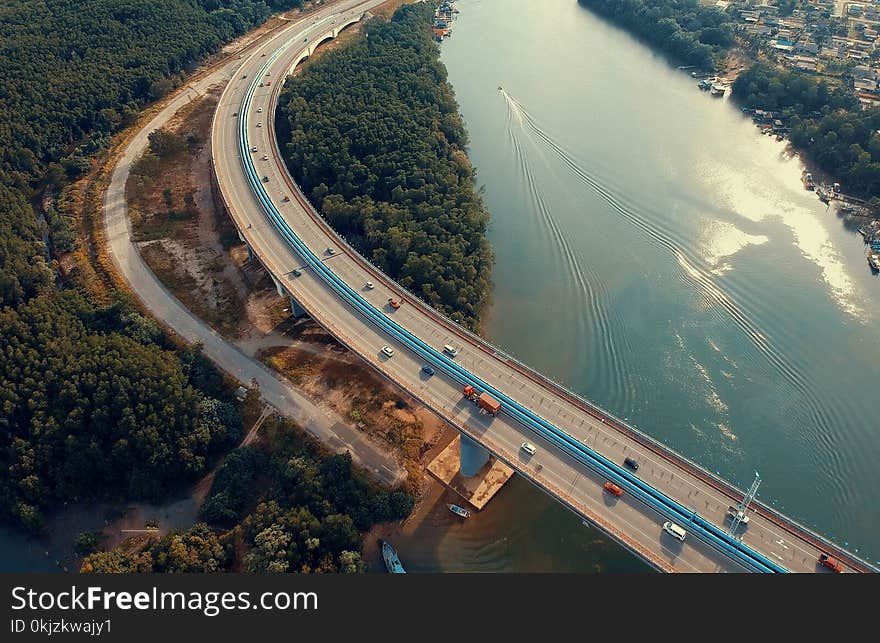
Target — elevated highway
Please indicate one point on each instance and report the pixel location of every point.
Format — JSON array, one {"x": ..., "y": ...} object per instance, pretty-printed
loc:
[{"x": 578, "y": 445}]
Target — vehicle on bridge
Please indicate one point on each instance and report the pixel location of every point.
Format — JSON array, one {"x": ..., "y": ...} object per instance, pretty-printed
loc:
[
  {"x": 450, "y": 350},
  {"x": 394, "y": 303},
  {"x": 613, "y": 489},
  {"x": 631, "y": 463},
  {"x": 674, "y": 530},
  {"x": 528, "y": 447},
  {"x": 736, "y": 513},
  {"x": 485, "y": 401},
  {"x": 427, "y": 370},
  {"x": 369, "y": 285},
  {"x": 830, "y": 562},
  {"x": 388, "y": 351}
]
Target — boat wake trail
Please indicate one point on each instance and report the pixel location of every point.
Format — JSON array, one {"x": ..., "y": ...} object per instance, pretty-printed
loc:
[
  {"x": 690, "y": 270},
  {"x": 609, "y": 359}
]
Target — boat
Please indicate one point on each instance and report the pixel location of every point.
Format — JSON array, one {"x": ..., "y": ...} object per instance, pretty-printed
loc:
[
  {"x": 807, "y": 179},
  {"x": 822, "y": 194},
  {"x": 392, "y": 562},
  {"x": 459, "y": 511},
  {"x": 718, "y": 90},
  {"x": 780, "y": 137},
  {"x": 874, "y": 262}
]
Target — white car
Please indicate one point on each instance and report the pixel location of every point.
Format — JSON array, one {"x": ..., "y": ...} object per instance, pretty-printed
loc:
[
  {"x": 674, "y": 530},
  {"x": 253, "y": 149},
  {"x": 528, "y": 447},
  {"x": 259, "y": 124},
  {"x": 331, "y": 251},
  {"x": 265, "y": 157},
  {"x": 369, "y": 285},
  {"x": 259, "y": 110},
  {"x": 388, "y": 351}
]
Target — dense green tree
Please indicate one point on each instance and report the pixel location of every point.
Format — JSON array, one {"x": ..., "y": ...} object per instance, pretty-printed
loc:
[
  {"x": 826, "y": 123},
  {"x": 194, "y": 550},
  {"x": 233, "y": 487},
  {"x": 96, "y": 402},
  {"x": 376, "y": 141},
  {"x": 688, "y": 30}
]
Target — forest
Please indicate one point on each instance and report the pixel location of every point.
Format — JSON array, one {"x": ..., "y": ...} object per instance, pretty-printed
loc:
[
  {"x": 826, "y": 123},
  {"x": 688, "y": 30},
  {"x": 376, "y": 142},
  {"x": 97, "y": 402},
  {"x": 282, "y": 506}
]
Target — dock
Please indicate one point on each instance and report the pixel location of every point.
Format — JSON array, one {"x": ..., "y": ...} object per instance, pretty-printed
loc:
[{"x": 477, "y": 490}]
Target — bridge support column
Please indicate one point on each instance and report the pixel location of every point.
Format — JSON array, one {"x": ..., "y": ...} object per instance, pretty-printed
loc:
[
  {"x": 250, "y": 252},
  {"x": 473, "y": 457},
  {"x": 278, "y": 286},
  {"x": 295, "y": 309}
]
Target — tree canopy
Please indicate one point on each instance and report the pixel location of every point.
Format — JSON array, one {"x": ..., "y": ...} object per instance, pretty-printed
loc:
[
  {"x": 96, "y": 401},
  {"x": 376, "y": 141},
  {"x": 688, "y": 30},
  {"x": 825, "y": 122}
]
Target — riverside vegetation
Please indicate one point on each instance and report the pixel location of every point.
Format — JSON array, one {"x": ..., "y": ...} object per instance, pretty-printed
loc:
[
  {"x": 825, "y": 119},
  {"x": 376, "y": 142}
]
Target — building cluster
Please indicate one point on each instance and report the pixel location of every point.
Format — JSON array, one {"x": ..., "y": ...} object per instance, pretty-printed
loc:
[{"x": 818, "y": 36}]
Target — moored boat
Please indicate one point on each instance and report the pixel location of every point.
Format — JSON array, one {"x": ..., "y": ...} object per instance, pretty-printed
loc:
[
  {"x": 392, "y": 562},
  {"x": 807, "y": 179},
  {"x": 460, "y": 511},
  {"x": 874, "y": 262}
]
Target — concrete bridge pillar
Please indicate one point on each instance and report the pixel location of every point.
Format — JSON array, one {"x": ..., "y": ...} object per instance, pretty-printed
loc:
[
  {"x": 473, "y": 457},
  {"x": 295, "y": 309},
  {"x": 278, "y": 287},
  {"x": 250, "y": 252}
]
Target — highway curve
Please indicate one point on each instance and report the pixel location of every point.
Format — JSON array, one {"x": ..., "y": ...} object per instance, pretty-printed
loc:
[{"x": 275, "y": 389}]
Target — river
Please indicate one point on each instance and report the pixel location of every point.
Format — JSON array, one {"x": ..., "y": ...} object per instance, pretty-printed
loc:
[{"x": 660, "y": 256}]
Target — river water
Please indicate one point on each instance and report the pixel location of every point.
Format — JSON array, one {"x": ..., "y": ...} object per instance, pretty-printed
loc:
[{"x": 660, "y": 256}]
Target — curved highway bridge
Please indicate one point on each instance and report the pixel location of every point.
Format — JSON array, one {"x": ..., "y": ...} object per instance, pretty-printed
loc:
[{"x": 578, "y": 446}]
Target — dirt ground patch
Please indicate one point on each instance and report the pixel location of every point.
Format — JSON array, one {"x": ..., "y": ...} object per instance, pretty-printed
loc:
[
  {"x": 337, "y": 378},
  {"x": 388, "y": 8},
  {"x": 189, "y": 243}
]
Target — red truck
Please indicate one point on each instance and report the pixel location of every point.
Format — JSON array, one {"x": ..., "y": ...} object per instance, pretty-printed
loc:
[
  {"x": 483, "y": 400},
  {"x": 831, "y": 563}
]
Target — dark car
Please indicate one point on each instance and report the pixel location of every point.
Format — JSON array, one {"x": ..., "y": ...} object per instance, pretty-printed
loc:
[
  {"x": 631, "y": 463},
  {"x": 427, "y": 370},
  {"x": 296, "y": 272}
]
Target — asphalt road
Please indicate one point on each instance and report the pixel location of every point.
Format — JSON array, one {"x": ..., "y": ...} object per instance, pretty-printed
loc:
[{"x": 328, "y": 427}]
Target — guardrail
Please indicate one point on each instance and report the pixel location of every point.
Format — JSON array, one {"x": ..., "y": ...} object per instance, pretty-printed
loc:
[{"x": 595, "y": 461}]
